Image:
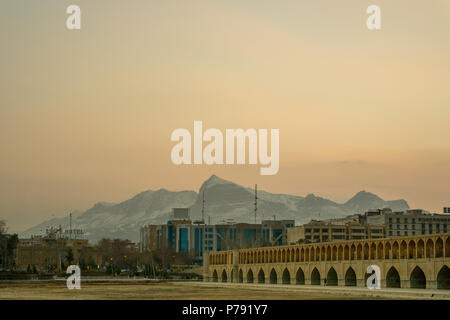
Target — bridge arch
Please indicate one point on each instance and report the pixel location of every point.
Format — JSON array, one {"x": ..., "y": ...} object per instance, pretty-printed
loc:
[
  {"x": 443, "y": 278},
  {"x": 261, "y": 276},
  {"x": 417, "y": 279},
  {"x": 332, "y": 278},
  {"x": 286, "y": 279},
  {"x": 249, "y": 276},
  {"x": 215, "y": 277},
  {"x": 224, "y": 277},
  {"x": 273, "y": 277},
  {"x": 315, "y": 277},
  {"x": 241, "y": 276},
  {"x": 350, "y": 277},
  {"x": 300, "y": 276},
  {"x": 393, "y": 278}
]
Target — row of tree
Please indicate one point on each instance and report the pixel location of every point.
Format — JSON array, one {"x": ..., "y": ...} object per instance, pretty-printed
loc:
[{"x": 8, "y": 244}]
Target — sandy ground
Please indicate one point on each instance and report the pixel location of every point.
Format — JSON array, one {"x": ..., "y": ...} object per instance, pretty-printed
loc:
[{"x": 181, "y": 290}]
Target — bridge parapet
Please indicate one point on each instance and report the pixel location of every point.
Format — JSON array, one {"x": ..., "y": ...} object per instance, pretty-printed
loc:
[{"x": 415, "y": 261}]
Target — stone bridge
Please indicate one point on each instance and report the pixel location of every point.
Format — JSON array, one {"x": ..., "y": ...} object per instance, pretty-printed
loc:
[{"x": 404, "y": 262}]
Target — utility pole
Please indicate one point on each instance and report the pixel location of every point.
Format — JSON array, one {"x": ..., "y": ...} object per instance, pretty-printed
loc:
[
  {"x": 256, "y": 200},
  {"x": 203, "y": 207}
]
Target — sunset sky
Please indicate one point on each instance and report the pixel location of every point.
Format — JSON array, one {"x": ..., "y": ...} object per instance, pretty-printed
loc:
[{"x": 86, "y": 115}]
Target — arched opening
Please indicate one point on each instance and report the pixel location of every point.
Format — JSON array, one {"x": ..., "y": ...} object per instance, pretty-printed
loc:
[
  {"x": 273, "y": 277},
  {"x": 315, "y": 277},
  {"x": 387, "y": 251},
  {"x": 297, "y": 255},
  {"x": 317, "y": 254},
  {"x": 261, "y": 276},
  {"x": 417, "y": 279},
  {"x": 300, "y": 277},
  {"x": 286, "y": 277},
  {"x": 311, "y": 254},
  {"x": 346, "y": 253},
  {"x": 395, "y": 250},
  {"x": 366, "y": 251},
  {"x": 439, "y": 248},
  {"x": 306, "y": 254},
  {"x": 403, "y": 249},
  {"x": 447, "y": 247},
  {"x": 241, "y": 276},
  {"x": 380, "y": 254},
  {"x": 411, "y": 250},
  {"x": 332, "y": 278},
  {"x": 443, "y": 278},
  {"x": 302, "y": 255},
  {"x": 250, "y": 276},
  {"x": 350, "y": 277},
  {"x": 420, "y": 249},
  {"x": 224, "y": 276},
  {"x": 334, "y": 253},
  {"x": 352, "y": 252},
  {"x": 215, "y": 276},
  {"x": 322, "y": 257},
  {"x": 373, "y": 251},
  {"x": 359, "y": 252},
  {"x": 328, "y": 253},
  {"x": 430, "y": 248},
  {"x": 340, "y": 253},
  {"x": 392, "y": 278}
]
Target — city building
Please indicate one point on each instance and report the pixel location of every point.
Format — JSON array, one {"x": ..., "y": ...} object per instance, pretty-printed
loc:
[
  {"x": 411, "y": 222},
  {"x": 325, "y": 231},
  {"x": 373, "y": 224},
  {"x": 51, "y": 251},
  {"x": 185, "y": 236}
]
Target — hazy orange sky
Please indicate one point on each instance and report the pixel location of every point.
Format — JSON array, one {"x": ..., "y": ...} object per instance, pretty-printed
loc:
[{"x": 86, "y": 116}]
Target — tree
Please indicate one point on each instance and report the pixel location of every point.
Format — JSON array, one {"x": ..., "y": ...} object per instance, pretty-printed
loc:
[
  {"x": 3, "y": 228},
  {"x": 69, "y": 256}
]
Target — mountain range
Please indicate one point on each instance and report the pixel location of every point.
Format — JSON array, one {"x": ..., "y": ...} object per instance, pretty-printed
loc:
[{"x": 224, "y": 201}]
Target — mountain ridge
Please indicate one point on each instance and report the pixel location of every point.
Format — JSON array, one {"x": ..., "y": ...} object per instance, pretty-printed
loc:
[{"x": 224, "y": 201}]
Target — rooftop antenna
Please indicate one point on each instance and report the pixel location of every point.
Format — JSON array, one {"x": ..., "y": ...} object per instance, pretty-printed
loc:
[
  {"x": 70, "y": 221},
  {"x": 256, "y": 200},
  {"x": 203, "y": 207},
  {"x": 209, "y": 220}
]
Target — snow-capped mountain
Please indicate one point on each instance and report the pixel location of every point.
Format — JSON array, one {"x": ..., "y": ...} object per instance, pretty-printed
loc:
[{"x": 224, "y": 200}]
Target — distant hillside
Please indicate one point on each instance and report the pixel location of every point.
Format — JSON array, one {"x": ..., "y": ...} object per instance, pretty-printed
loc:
[{"x": 224, "y": 200}]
